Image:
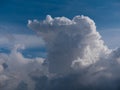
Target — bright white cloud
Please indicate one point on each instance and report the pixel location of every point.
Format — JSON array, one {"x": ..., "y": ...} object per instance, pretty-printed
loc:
[
  {"x": 75, "y": 46},
  {"x": 70, "y": 41}
]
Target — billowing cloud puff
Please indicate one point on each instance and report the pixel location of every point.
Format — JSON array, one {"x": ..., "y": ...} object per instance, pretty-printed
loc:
[
  {"x": 14, "y": 69},
  {"x": 77, "y": 59},
  {"x": 73, "y": 42},
  {"x": 76, "y": 51}
]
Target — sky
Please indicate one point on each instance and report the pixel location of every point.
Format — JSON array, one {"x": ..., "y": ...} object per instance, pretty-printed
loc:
[
  {"x": 59, "y": 44},
  {"x": 14, "y": 14},
  {"x": 19, "y": 11}
]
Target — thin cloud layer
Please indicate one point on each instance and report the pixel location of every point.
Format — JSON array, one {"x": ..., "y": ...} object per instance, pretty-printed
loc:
[
  {"x": 9, "y": 40},
  {"x": 77, "y": 59}
]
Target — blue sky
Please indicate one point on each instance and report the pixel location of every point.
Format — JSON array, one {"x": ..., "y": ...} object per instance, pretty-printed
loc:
[
  {"x": 14, "y": 15},
  {"x": 104, "y": 12}
]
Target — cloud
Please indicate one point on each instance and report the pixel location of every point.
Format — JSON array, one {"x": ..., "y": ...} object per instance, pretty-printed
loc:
[
  {"x": 69, "y": 42},
  {"x": 29, "y": 41},
  {"x": 77, "y": 59},
  {"x": 76, "y": 51},
  {"x": 18, "y": 69}
]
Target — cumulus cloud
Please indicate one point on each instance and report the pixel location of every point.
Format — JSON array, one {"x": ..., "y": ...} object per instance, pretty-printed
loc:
[
  {"x": 15, "y": 68},
  {"x": 70, "y": 42},
  {"x": 74, "y": 46},
  {"x": 77, "y": 59}
]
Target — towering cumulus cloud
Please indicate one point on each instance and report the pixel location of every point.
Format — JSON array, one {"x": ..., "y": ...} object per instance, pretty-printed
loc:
[
  {"x": 71, "y": 43},
  {"x": 77, "y": 54},
  {"x": 77, "y": 59}
]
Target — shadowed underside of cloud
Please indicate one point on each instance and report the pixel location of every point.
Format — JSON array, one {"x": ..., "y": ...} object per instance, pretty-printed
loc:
[{"x": 77, "y": 59}]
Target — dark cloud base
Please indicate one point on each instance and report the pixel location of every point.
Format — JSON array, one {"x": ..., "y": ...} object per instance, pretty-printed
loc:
[{"x": 71, "y": 82}]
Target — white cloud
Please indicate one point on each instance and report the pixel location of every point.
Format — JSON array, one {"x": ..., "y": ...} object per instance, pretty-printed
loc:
[
  {"x": 19, "y": 69},
  {"x": 77, "y": 58},
  {"x": 68, "y": 40},
  {"x": 75, "y": 46}
]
